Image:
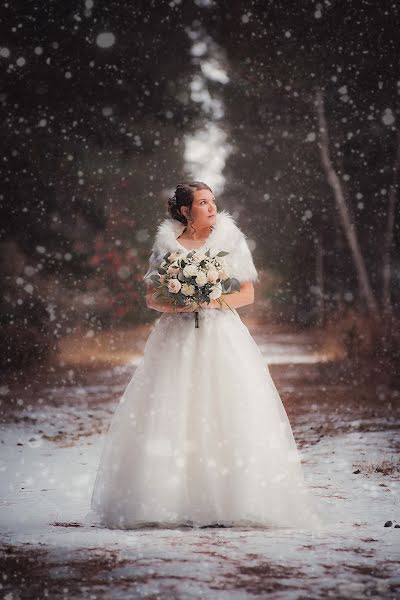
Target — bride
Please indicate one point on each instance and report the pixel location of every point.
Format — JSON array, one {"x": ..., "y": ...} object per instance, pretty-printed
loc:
[{"x": 200, "y": 436}]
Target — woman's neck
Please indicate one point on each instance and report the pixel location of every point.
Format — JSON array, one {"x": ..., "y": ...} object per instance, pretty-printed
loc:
[{"x": 197, "y": 236}]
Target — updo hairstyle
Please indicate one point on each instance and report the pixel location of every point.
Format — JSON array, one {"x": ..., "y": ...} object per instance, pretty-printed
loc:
[{"x": 183, "y": 196}]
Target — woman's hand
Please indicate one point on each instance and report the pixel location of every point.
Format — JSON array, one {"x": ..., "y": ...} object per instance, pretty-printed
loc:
[
  {"x": 212, "y": 304},
  {"x": 193, "y": 307},
  {"x": 165, "y": 306},
  {"x": 189, "y": 308}
]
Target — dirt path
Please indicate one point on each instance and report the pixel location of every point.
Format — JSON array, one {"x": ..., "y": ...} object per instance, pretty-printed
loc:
[{"x": 51, "y": 438}]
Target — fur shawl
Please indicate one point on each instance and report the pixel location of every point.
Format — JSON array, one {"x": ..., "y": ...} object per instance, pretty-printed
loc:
[{"x": 226, "y": 235}]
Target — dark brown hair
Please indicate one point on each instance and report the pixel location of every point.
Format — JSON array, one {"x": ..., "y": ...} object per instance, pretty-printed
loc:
[{"x": 183, "y": 196}]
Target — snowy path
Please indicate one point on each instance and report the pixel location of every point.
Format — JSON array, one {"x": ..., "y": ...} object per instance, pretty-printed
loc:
[{"x": 48, "y": 464}]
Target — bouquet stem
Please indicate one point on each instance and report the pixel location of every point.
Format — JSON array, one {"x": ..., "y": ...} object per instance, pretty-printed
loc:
[{"x": 196, "y": 318}]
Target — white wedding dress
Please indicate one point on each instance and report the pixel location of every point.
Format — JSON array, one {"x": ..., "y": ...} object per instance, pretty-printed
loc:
[{"x": 200, "y": 436}]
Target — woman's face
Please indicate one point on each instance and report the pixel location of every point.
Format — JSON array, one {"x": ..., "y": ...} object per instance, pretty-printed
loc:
[{"x": 204, "y": 208}]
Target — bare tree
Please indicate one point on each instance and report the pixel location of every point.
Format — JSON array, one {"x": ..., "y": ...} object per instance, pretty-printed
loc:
[
  {"x": 347, "y": 223},
  {"x": 388, "y": 239},
  {"x": 319, "y": 276}
]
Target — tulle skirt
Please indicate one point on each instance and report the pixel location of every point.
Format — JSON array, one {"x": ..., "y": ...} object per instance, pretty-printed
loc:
[{"x": 200, "y": 435}]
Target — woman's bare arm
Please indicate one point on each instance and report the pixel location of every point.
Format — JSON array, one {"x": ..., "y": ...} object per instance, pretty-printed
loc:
[
  {"x": 236, "y": 299},
  {"x": 160, "y": 306}
]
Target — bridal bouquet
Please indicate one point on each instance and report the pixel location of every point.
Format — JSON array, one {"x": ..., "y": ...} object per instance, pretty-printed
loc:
[{"x": 192, "y": 277}]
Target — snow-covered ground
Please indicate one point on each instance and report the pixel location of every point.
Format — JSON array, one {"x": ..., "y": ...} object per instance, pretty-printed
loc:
[{"x": 49, "y": 547}]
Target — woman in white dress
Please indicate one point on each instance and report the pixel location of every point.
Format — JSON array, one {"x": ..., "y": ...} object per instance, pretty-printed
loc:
[{"x": 200, "y": 436}]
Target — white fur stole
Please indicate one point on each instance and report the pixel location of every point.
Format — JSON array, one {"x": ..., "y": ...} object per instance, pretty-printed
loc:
[{"x": 226, "y": 236}]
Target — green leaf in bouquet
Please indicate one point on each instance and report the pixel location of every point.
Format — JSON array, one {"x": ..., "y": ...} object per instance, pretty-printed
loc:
[
  {"x": 155, "y": 278},
  {"x": 203, "y": 297},
  {"x": 235, "y": 284},
  {"x": 158, "y": 292},
  {"x": 162, "y": 293},
  {"x": 222, "y": 253},
  {"x": 180, "y": 300}
]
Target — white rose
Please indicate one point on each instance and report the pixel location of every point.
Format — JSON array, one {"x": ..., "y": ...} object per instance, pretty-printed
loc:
[
  {"x": 199, "y": 256},
  {"x": 201, "y": 279},
  {"x": 212, "y": 276},
  {"x": 216, "y": 291},
  {"x": 187, "y": 289},
  {"x": 190, "y": 271},
  {"x": 174, "y": 285}
]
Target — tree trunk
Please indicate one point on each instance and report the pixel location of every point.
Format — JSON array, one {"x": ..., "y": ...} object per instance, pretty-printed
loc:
[
  {"x": 348, "y": 225},
  {"x": 388, "y": 239},
  {"x": 319, "y": 277}
]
